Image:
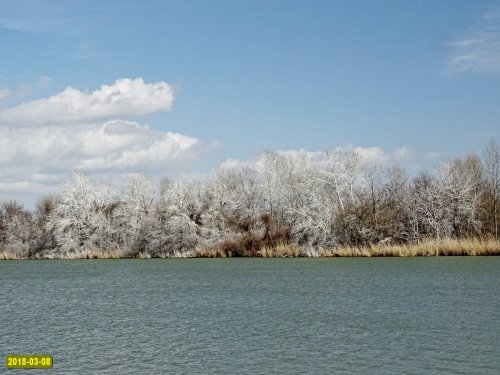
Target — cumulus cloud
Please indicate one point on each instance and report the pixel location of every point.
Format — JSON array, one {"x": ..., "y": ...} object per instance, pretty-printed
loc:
[
  {"x": 43, "y": 141},
  {"x": 478, "y": 50},
  {"x": 369, "y": 155},
  {"x": 376, "y": 154},
  {"x": 113, "y": 146},
  {"x": 122, "y": 99}
]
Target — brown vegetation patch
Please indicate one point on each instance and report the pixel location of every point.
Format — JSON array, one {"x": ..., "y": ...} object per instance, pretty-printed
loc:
[{"x": 430, "y": 247}]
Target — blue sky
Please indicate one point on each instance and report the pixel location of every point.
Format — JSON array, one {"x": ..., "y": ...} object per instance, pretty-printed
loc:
[{"x": 421, "y": 77}]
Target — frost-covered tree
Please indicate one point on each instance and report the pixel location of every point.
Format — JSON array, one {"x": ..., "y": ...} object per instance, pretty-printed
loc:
[
  {"x": 313, "y": 219},
  {"x": 458, "y": 198},
  {"x": 428, "y": 216},
  {"x": 83, "y": 217},
  {"x": 237, "y": 202},
  {"x": 448, "y": 204},
  {"x": 135, "y": 212},
  {"x": 319, "y": 200},
  {"x": 175, "y": 232},
  {"x": 348, "y": 189}
]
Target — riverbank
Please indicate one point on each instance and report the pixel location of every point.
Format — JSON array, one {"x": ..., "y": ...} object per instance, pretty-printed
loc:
[{"x": 443, "y": 247}]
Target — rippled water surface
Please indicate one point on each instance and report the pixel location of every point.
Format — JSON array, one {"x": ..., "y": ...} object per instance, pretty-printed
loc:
[{"x": 254, "y": 316}]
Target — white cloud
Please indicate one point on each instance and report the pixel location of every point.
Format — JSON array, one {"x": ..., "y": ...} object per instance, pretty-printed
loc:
[
  {"x": 117, "y": 145},
  {"x": 19, "y": 186},
  {"x": 124, "y": 98},
  {"x": 231, "y": 163},
  {"x": 368, "y": 155},
  {"x": 433, "y": 155},
  {"x": 43, "y": 141},
  {"x": 478, "y": 50},
  {"x": 377, "y": 155},
  {"x": 5, "y": 93}
]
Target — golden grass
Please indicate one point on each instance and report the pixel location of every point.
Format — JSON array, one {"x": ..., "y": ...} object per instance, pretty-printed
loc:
[
  {"x": 100, "y": 254},
  {"x": 279, "y": 251},
  {"x": 430, "y": 247},
  {"x": 5, "y": 255},
  {"x": 212, "y": 252},
  {"x": 143, "y": 255},
  {"x": 81, "y": 254}
]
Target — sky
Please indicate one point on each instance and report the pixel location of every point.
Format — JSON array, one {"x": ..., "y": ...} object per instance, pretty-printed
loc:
[{"x": 177, "y": 88}]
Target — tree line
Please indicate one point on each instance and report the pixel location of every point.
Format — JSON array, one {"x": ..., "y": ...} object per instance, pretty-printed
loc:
[{"x": 340, "y": 199}]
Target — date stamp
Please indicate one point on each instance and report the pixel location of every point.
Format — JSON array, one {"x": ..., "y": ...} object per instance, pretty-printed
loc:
[{"x": 29, "y": 361}]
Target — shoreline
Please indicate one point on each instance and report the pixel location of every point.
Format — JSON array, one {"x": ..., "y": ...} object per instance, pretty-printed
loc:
[{"x": 443, "y": 247}]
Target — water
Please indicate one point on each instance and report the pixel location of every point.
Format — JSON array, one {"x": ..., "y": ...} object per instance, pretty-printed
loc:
[{"x": 254, "y": 316}]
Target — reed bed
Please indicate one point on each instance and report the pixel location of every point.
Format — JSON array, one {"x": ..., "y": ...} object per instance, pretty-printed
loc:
[
  {"x": 211, "y": 252},
  {"x": 280, "y": 251},
  {"x": 5, "y": 255},
  {"x": 82, "y": 254},
  {"x": 86, "y": 254},
  {"x": 430, "y": 247},
  {"x": 100, "y": 254}
]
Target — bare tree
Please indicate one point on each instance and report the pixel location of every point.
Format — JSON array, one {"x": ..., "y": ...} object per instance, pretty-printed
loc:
[
  {"x": 18, "y": 228},
  {"x": 427, "y": 215},
  {"x": 491, "y": 162},
  {"x": 45, "y": 240},
  {"x": 395, "y": 218},
  {"x": 458, "y": 199}
]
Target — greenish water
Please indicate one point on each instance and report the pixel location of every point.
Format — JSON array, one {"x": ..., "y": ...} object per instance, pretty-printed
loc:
[{"x": 254, "y": 316}]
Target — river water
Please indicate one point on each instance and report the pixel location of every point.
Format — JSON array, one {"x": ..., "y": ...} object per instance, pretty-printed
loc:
[{"x": 436, "y": 315}]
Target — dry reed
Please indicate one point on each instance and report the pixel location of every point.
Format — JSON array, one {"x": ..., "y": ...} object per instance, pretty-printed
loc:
[
  {"x": 212, "y": 252},
  {"x": 429, "y": 247},
  {"x": 81, "y": 254},
  {"x": 279, "y": 251},
  {"x": 100, "y": 254},
  {"x": 5, "y": 255}
]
